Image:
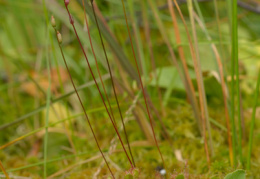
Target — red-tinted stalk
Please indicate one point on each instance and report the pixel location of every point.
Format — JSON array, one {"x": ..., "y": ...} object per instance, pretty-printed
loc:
[
  {"x": 58, "y": 36},
  {"x": 109, "y": 104},
  {"x": 112, "y": 81},
  {"x": 75, "y": 31},
  {"x": 141, "y": 83}
]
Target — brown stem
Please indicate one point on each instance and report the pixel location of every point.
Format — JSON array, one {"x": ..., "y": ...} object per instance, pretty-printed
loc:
[
  {"x": 94, "y": 54},
  {"x": 84, "y": 110},
  {"x": 141, "y": 83},
  {"x": 75, "y": 31},
  {"x": 112, "y": 82}
]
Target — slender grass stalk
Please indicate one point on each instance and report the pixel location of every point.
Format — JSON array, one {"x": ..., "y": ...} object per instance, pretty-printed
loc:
[
  {"x": 151, "y": 54},
  {"x": 112, "y": 80},
  {"x": 140, "y": 81},
  {"x": 114, "y": 142},
  {"x": 138, "y": 42},
  {"x": 94, "y": 54},
  {"x": 112, "y": 42},
  {"x": 52, "y": 124},
  {"x": 75, "y": 31},
  {"x": 163, "y": 32},
  {"x": 216, "y": 8},
  {"x": 201, "y": 89},
  {"x": 201, "y": 22},
  {"x": 48, "y": 96},
  {"x": 252, "y": 126},
  {"x": 70, "y": 139},
  {"x": 70, "y": 167},
  {"x": 50, "y": 161},
  {"x": 48, "y": 103},
  {"x": 4, "y": 171},
  {"x": 199, "y": 81},
  {"x": 41, "y": 108},
  {"x": 156, "y": 76},
  {"x": 92, "y": 131},
  {"x": 235, "y": 59},
  {"x": 183, "y": 60}
]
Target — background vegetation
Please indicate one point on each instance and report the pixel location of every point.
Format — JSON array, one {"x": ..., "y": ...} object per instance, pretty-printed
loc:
[{"x": 189, "y": 56}]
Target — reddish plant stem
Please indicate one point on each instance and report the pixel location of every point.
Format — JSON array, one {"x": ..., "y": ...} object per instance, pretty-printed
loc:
[
  {"x": 92, "y": 131},
  {"x": 112, "y": 81},
  {"x": 75, "y": 31},
  {"x": 109, "y": 104},
  {"x": 141, "y": 83}
]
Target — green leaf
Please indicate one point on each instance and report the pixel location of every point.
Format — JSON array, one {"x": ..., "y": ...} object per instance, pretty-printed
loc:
[{"x": 238, "y": 174}]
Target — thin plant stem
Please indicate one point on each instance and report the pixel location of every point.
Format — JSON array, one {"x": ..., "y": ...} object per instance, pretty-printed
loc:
[
  {"x": 94, "y": 54},
  {"x": 138, "y": 41},
  {"x": 150, "y": 48},
  {"x": 112, "y": 82},
  {"x": 235, "y": 59},
  {"x": 252, "y": 126},
  {"x": 4, "y": 171},
  {"x": 81, "y": 103},
  {"x": 70, "y": 138},
  {"x": 233, "y": 63},
  {"x": 183, "y": 59},
  {"x": 163, "y": 31},
  {"x": 50, "y": 125},
  {"x": 48, "y": 97},
  {"x": 198, "y": 71},
  {"x": 199, "y": 81},
  {"x": 48, "y": 103},
  {"x": 201, "y": 22},
  {"x": 75, "y": 31},
  {"x": 141, "y": 83}
]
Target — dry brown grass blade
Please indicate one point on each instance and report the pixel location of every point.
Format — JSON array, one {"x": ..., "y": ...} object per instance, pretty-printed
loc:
[
  {"x": 201, "y": 88},
  {"x": 202, "y": 100},
  {"x": 223, "y": 86},
  {"x": 191, "y": 97},
  {"x": 183, "y": 60},
  {"x": 4, "y": 171},
  {"x": 12, "y": 142}
]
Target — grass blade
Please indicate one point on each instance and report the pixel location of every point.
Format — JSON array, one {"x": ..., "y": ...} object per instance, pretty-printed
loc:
[
  {"x": 184, "y": 64},
  {"x": 235, "y": 59},
  {"x": 140, "y": 81},
  {"x": 92, "y": 131},
  {"x": 48, "y": 96},
  {"x": 201, "y": 22},
  {"x": 81, "y": 46},
  {"x": 4, "y": 171},
  {"x": 112, "y": 82},
  {"x": 250, "y": 143}
]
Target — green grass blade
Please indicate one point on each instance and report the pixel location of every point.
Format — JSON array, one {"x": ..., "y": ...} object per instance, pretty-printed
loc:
[
  {"x": 235, "y": 59},
  {"x": 250, "y": 143},
  {"x": 48, "y": 96},
  {"x": 41, "y": 108}
]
